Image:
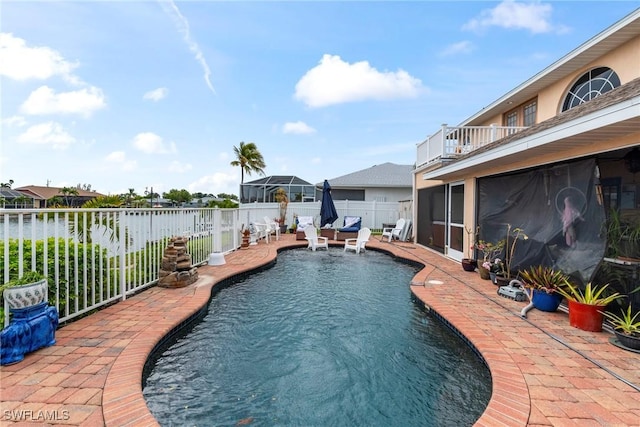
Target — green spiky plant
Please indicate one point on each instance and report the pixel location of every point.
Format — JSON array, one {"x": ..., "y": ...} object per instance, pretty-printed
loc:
[
  {"x": 544, "y": 278},
  {"x": 592, "y": 295},
  {"x": 625, "y": 322}
]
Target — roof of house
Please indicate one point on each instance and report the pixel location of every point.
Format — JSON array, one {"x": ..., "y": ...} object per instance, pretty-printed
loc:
[
  {"x": 9, "y": 193},
  {"x": 279, "y": 180},
  {"x": 384, "y": 175},
  {"x": 45, "y": 193}
]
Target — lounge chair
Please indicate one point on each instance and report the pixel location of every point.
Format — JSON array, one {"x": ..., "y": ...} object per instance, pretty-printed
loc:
[
  {"x": 393, "y": 233},
  {"x": 302, "y": 223},
  {"x": 358, "y": 244},
  {"x": 350, "y": 228},
  {"x": 315, "y": 241}
]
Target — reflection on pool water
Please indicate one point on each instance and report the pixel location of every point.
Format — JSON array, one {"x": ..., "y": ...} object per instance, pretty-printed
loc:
[{"x": 321, "y": 339}]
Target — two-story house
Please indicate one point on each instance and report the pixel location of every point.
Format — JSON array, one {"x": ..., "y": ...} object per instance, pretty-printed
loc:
[{"x": 556, "y": 156}]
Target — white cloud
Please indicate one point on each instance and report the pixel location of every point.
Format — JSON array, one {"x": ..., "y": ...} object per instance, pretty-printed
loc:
[
  {"x": 119, "y": 159},
  {"x": 14, "y": 121},
  {"x": 156, "y": 94},
  {"x": 149, "y": 142},
  {"x": 176, "y": 166},
  {"x": 510, "y": 14},
  {"x": 183, "y": 26},
  {"x": 219, "y": 182},
  {"x": 456, "y": 48},
  {"x": 21, "y": 62},
  {"x": 45, "y": 101},
  {"x": 49, "y": 133},
  {"x": 297, "y": 128},
  {"x": 116, "y": 156},
  {"x": 334, "y": 81}
]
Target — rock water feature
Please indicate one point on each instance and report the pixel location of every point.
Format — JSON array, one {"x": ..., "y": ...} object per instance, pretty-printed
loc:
[{"x": 176, "y": 270}]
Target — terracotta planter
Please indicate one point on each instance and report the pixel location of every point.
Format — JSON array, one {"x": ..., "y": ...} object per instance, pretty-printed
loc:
[
  {"x": 586, "y": 317},
  {"x": 546, "y": 302},
  {"x": 484, "y": 273},
  {"x": 469, "y": 264}
]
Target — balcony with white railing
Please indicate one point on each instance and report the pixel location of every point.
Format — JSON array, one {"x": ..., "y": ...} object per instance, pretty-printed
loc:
[{"x": 451, "y": 142}]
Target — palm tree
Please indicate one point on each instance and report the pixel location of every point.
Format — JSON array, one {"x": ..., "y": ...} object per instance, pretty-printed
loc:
[
  {"x": 68, "y": 191},
  {"x": 249, "y": 159},
  {"x": 109, "y": 222},
  {"x": 22, "y": 200},
  {"x": 130, "y": 196}
]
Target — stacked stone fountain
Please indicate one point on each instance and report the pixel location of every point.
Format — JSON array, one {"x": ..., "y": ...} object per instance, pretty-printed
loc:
[{"x": 176, "y": 270}]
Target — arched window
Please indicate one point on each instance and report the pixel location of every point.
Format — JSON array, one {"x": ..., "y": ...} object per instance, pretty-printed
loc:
[{"x": 591, "y": 85}]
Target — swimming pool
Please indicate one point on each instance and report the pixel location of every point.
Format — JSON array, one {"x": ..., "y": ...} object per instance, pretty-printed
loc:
[{"x": 321, "y": 339}]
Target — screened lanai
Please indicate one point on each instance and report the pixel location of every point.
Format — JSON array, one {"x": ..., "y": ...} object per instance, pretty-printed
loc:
[{"x": 264, "y": 190}]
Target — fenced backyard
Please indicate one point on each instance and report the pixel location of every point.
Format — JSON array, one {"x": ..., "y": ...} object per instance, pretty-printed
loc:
[{"x": 94, "y": 257}]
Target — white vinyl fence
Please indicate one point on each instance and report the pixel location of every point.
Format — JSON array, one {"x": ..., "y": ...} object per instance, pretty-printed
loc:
[{"x": 93, "y": 257}]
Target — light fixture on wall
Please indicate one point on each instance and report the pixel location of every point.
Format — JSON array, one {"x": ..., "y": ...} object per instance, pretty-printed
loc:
[{"x": 632, "y": 160}]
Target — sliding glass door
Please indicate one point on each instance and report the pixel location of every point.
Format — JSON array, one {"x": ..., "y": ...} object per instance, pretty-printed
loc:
[{"x": 455, "y": 221}]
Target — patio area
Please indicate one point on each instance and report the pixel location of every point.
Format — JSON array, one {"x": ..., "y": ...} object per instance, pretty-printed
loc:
[{"x": 544, "y": 372}]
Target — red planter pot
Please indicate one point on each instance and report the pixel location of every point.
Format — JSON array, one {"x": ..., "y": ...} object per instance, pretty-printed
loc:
[{"x": 586, "y": 317}]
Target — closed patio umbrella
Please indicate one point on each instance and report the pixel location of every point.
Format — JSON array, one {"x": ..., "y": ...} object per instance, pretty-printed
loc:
[{"x": 328, "y": 212}]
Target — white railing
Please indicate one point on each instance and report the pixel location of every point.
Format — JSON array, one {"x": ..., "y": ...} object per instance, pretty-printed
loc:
[
  {"x": 94, "y": 257},
  {"x": 450, "y": 142}
]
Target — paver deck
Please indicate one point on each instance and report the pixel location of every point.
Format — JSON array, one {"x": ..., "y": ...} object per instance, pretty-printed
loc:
[{"x": 544, "y": 372}]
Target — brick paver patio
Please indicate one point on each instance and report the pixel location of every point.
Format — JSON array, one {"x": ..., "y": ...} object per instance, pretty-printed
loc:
[{"x": 544, "y": 372}]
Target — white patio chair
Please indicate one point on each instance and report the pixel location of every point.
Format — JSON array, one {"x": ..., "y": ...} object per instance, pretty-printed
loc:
[
  {"x": 358, "y": 244},
  {"x": 304, "y": 222},
  {"x": 273, "y": 227},
  {"x": 393, "y": 233},
  {"x": 258, "y": 231},
  {"x": 315, "y": 241}
]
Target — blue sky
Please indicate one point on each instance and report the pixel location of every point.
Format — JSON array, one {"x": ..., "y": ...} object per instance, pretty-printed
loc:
[{"x": 123, "y": 95}]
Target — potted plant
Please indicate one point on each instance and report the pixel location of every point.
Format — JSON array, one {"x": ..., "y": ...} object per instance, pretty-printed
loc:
[
  {"x": 28, "y": 319},
  {"x": 283, "y": 202},
  {"x": 544, "y": 283},
  {"x": 626, "y": 327},
  {"x": 468, "y": 263},
  {"x": 489, "y": 252},
  {"x": 514, "y": 235},
  {"x": 586, "y": 307}
]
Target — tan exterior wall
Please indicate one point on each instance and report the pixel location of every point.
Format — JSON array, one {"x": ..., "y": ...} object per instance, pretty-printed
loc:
[{"x": 625, "y": 61}]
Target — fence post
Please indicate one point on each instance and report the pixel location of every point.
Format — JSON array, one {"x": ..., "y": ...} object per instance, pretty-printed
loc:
[
  {"x": 217, "y": 226},
  {"x": 236, "y": 228},
  {"x": 443, "y": 139},
  {"x": 374, "y": 219},
  {"x": 122, "y": 241}
]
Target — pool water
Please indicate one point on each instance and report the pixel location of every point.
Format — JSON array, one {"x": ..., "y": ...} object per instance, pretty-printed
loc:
[{"x": 323, "y": 338}]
